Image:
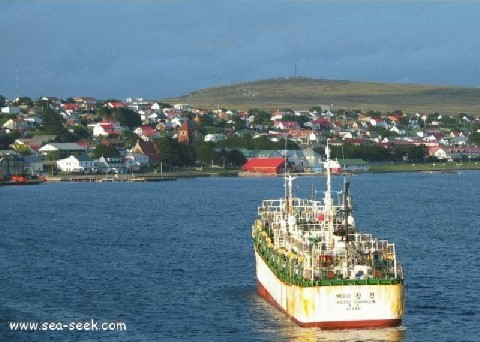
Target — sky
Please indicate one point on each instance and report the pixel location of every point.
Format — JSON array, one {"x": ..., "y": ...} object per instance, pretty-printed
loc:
[{"x": 160, "y": 49}]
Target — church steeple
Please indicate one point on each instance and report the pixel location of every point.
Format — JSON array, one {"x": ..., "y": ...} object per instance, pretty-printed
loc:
[{"x": 186, "y": 134}]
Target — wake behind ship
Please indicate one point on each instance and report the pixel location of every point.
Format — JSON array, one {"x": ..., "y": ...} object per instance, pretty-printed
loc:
[{"x": 313, "y": 264}]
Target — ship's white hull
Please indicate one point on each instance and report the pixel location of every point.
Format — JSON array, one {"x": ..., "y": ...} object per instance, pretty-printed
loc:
[{"x": 333, "y": 307}]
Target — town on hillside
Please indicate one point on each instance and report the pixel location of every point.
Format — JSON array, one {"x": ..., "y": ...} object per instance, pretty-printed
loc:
[{"x": 83, "y": 135}]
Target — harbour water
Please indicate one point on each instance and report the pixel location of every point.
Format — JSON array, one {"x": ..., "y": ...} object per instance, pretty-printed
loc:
[{"x": 174, "y": 261}]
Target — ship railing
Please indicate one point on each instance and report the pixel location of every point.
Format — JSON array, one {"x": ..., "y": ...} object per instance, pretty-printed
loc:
[{"x": 291, "y": 273}]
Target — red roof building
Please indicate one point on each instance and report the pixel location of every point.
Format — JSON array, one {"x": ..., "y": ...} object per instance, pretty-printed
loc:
[
  {"x": 116, "y": 104},
  {"x": 186, "y": 133},
  {"x": 265, "y": 165},
  {"x": 70, "y": 107},
  {"x": 150, "y": 149}
]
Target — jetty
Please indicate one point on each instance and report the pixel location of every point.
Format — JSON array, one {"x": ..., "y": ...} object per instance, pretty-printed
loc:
[{"x": 111, "y": 178}]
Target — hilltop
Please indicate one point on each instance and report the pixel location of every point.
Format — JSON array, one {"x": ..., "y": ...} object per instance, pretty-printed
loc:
[{"x": 303, "y": 93}]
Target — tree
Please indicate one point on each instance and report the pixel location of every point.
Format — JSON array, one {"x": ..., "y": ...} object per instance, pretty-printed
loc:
[
  {"x": 102, "y": 150},
  {"x": 129, "y": 139},
  {"x": 41, "y": 103},
  {"x": 365, "y": 152},
  {"x": 3, "y": 101},
  {"x": 24, "y": 100},
  {"x": 175, "y": 153},
  {"x": 474, "y": 138},
  {"x": 52, "y": 122},
  {"x": 206, "y": 120},
  {"x": 235, "y": 158},
  {"x": 411, "y": 153},
  {"x": 6, "y": 140},
  {"x": 205, "y": 152},
  {"x": 300, "y": 119},
  {"x": 261, "y": 117},
  {"x": 53, "y": 155},
  {"x": 125, "y": 116},
  {"x": 81, "y": 132}
]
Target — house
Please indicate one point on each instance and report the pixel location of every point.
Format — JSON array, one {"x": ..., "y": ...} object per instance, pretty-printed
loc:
[
  {"x": 214, "y": 137},
  {"x": 10, "y": 110},
  {"x": 146, "y": 132},
  {"x": 164, "y": 126},
  {"x": 354, "y": 165},
  {"x": 11, "y": 164},
  {"x": 312, "y": 161},
  {"x": 148, "y": 148},
  {"x": 296, "y": 159},
  {"x": 463, "y": 153},
  {"x": 156, "y": 106},
  {"x": 285, "y": 125},
  {"x": 172, "y": 113},
  {"x": 15, "y": 124},
  {"x": 378, "y": 122},
  {"x": 113, "y": 165},
  {"x": 277, "y": 115},
  {"x": 86, "y": 103},
  {"x": 33, "y": 164},
  {"x": 115, "y": 104},
  {"x": 250, "y": 154},
  {"x": 272, "y": 166},
  {"x": 70, "y": 107},
  {"x": 133, "y": 161},
  {"x": 182, "y": 106},
  {"x": 333, "y": 165},
  {"x": 65, "y": 149},
  {"x": 113, "y": 141},
  {"x": 438, "y": 152},
  {"x": 52, "y": 100},
  {"x": 304, "y": 113},
  {"x": 321, "y": 124},
  {"x": 106, "y": 128},
  {"x": 36, "y": 141},
  {"x": 80, "y": 163}
]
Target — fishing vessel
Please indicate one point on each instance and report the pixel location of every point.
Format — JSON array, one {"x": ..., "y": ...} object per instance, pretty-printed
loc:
[{"x": 315, "y": 266}]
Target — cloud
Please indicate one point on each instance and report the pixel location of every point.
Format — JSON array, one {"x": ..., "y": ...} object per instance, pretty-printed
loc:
[{"x": 159, "y": 49}]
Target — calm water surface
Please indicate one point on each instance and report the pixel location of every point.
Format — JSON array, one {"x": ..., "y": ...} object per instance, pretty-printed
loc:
[{"x": 174, "y": 260}]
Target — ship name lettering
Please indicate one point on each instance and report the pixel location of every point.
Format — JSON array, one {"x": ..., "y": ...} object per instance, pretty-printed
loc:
[
  {"x": 353, "y": 308},
  {"x": 366, "y": 301},
  {"x": 343, "y": 295}
]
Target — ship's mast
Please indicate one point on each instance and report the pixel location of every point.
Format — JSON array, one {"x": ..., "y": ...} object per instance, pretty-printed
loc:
[
  {"x": 328, "y": 193},
  {"x": 346, "y": 207}
]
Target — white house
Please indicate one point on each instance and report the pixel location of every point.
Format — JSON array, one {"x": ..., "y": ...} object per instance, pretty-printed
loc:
[
  {"x": 156, "y": 106},
  {"x": 15, "y": 124},
  {"x": 214, "y": 137},
  {"x": 66, "y": 147},
  {"x": 106, "y": 128},
  {"x": 182, "y": 106},
  {"x": 10, "y": 110},
  {"x": 81, "y": 163},
  {"x": 133, "y": 161},
  {"x": 439, "y": 152}
]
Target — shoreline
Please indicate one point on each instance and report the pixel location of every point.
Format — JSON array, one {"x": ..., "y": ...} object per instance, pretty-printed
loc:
[{"x": 170, "y": 176}]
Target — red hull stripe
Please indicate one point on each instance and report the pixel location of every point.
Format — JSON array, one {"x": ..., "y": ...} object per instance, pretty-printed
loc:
[{"x": 380, "y": 323}]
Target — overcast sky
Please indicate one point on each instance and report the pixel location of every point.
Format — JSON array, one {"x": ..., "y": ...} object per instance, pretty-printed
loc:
[{"x": 159, "y": 49}]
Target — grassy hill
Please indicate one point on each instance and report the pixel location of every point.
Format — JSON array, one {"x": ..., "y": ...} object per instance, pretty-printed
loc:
[{"x": 303, "y": 93}]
